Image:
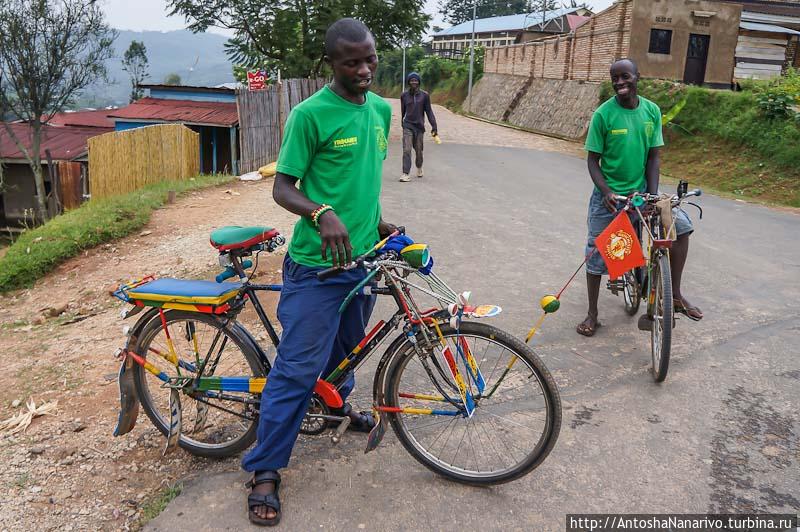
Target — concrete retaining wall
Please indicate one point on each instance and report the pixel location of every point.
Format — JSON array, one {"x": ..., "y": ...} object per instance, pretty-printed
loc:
[{"x": 556, "y": 107}]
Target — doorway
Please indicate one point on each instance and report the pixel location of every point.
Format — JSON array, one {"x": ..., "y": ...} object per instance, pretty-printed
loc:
[{"x": 696, "y": 59}]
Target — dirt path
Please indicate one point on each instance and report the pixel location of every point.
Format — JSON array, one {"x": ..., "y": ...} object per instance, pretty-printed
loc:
[{"x": 66, "y": 471}]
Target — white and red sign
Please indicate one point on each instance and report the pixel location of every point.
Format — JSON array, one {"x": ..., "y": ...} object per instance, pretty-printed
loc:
[{"x": 257, "y": 80}]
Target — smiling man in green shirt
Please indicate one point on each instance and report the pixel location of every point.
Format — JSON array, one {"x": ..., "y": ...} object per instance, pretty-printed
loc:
[
  {"x": 623, "y": 142},
  {"x": 334, "y": 146}
]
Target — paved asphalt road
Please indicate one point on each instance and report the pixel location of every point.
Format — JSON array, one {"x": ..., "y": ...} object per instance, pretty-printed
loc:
[{"x": 720, "y": 435}]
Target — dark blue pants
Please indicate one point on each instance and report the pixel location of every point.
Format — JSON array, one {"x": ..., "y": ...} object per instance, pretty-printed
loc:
[{"x": 315, "y": 339}]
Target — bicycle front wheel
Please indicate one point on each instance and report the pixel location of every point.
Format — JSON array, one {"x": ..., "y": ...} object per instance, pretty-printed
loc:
[
  {"x": 661, "y": 331},
  {"x": 516, "y": 420},
  {"x": 215, "y": 424}
]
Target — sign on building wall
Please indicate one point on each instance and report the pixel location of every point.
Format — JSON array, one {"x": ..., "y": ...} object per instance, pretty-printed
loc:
[{"x": 257, "y": 80}]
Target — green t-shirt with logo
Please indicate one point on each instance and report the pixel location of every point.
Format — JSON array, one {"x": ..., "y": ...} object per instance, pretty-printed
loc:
[
  {"x": 623, "y": 138},
  {"x": 336, "y": 148}
]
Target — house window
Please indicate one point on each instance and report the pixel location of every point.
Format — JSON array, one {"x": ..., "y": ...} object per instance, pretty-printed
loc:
[{"x": 660, "y": 41}]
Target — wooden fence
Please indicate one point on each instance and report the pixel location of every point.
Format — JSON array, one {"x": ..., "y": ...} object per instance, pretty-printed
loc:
[
  {"x": 262, "y": 115},
  {"x": 124, "y": 161}
]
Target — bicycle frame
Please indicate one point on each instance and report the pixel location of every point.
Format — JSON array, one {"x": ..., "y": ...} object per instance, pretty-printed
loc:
[{"x": 221, "y": 387}]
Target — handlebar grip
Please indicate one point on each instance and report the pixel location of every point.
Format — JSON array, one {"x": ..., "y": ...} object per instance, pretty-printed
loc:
[
  {"x": 230, "y": 272},
  {"x": 695, "y": 192}
]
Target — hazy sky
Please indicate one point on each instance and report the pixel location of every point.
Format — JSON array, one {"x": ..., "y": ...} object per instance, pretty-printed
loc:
[{"x": 151, "y": 14}]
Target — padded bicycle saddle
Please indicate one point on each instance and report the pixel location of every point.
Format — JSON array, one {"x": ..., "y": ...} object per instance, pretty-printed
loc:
[{"x": 236, "y": 237}]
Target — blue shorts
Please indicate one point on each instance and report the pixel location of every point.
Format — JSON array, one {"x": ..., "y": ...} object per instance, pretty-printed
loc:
[{"x": 598, "y": 219}]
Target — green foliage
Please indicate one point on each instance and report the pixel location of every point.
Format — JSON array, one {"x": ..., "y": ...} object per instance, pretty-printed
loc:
[
  {"x": 445, "y": 79},
  {"x": 154, "y": 507},
  {"x": 135, "y": 63},
  {"x": 390, "y": 67},
  {"x": 38, "y": 251},
  {"x": 290, "y": 36},
  {"x": 780, "y": 98},
  {"x": 172, "y": 79}
]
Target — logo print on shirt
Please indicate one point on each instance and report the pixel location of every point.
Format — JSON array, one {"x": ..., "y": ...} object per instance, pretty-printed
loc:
[
  {"x": 649, "y": 127},
  {"x": 619, "y": 131},
  {"x": 345, "y": 142},
  {"x": 381, "y": 135}
]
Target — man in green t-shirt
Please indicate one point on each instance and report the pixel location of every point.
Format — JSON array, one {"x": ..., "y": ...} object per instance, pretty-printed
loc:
[
  {"x": 623, "y": 143},
  {"x": 334, "y": 146}
]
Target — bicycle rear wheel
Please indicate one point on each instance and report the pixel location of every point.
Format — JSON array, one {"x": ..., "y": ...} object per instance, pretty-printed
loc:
[
  {"x": 516, "y": 421},
  {"x": 661, "y": 331},
  {"x": 209, "y": 430}
]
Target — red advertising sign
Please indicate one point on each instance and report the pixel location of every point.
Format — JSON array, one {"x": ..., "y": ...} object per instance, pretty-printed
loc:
[{"x": 257, "y": 80}]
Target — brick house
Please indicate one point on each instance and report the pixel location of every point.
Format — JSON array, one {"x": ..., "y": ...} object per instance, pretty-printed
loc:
[{"x": 703, "y": 42}]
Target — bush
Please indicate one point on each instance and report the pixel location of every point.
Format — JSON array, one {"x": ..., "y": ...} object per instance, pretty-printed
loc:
[
  {"x": 36, "y": 252},
  {"x": 781, "y": 97}
]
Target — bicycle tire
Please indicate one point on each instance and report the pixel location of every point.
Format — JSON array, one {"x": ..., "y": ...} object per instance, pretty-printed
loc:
[
  {"x": 541, "y": 448},
  {"x": 148, "y": 333},
  {"x": 631, "y": 294},
  {"x": 661, "y": 331}
]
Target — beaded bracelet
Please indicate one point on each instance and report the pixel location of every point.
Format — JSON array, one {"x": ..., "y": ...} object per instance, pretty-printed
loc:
[{"x": 319, "y": 211}]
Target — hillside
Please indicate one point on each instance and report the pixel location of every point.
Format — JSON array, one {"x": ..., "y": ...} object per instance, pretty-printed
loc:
[{"x": 199, "y": 59}]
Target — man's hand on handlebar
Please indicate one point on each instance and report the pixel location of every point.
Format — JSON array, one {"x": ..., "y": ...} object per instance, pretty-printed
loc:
[
  {"x": 335, "y": 239},
  {"x": 610, "y": 201}
]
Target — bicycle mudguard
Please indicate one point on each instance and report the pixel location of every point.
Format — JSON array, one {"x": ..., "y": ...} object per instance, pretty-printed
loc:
[
  {"x": 175, "y": 420},
  {"x": 128, "y": 398},
  {"x": 377, "y": 433}
]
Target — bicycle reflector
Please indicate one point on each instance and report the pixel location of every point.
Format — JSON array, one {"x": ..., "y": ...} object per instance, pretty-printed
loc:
[{"x": 417, "y": 255}]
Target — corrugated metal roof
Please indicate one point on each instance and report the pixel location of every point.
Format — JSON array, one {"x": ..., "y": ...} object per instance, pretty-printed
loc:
[
  {"x": 221, "y": 114},
  {"x": 771, "y": 28},
  {"x": 64, "y": 142},
  {"x": 182, "y": 88},
  {"x": 98, "y": 118},
  {"x": 506, "y": 23}
]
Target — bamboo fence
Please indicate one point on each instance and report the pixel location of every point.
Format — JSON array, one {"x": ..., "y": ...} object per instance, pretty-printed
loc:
[
  {"x": 262, "y": 115},
  {"x": 124, "y": 161}
]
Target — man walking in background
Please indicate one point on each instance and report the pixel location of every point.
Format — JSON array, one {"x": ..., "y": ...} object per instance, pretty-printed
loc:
[{"x": 414, "y": 105}]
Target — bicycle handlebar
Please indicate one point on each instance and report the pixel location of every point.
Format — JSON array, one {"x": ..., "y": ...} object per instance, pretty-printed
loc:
[
  {"x": 358, "y": 261},
  {"x": 655, "y": 197}
]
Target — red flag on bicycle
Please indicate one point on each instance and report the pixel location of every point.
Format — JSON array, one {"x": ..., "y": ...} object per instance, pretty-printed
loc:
[{"x": 619, "y": 246}]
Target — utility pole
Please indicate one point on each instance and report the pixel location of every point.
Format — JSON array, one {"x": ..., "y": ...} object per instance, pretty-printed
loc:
[
  {"x": 471, "y": 57},
  {"x": 403, "y": 81}
]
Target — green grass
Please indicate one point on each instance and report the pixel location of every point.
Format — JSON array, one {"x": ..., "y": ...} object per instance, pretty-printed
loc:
[
  {"x": 37, "y": 251},
  {"x": 156, "y": 506}
]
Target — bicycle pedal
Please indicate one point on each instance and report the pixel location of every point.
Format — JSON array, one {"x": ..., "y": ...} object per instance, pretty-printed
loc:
[
  {"x": 336, "y": 437},
  {"x": 645, "y": 323}
]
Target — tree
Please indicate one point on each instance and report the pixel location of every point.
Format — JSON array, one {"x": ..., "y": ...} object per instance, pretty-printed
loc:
[
  {"x": 290, "y": 34},
  {"x": 135, "y": 63},
  {"x": 49, "y": 52},
  {"x": 172, "y": 79},
  {"x": 458, "y": 11}
]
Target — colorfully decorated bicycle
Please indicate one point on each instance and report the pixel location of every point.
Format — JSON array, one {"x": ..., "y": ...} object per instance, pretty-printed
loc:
[{"x": 467, "y": 400}]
